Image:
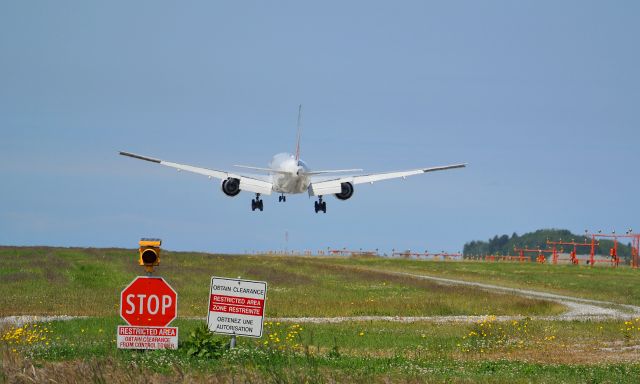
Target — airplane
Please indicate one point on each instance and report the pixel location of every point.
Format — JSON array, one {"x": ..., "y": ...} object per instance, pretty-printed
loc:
[{"x": 288, "y": 174}]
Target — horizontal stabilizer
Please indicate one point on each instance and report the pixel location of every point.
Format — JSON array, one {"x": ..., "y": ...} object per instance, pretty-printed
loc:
[
  {"x": 311, "y": 173},
  {"x": 262, "y": 169}
]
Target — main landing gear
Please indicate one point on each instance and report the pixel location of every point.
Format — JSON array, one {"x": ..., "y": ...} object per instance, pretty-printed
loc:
[
  {"x": 321, "y": 205},
  {"x": 282, "y": 198},
  {"x": 256, "y": 203}
]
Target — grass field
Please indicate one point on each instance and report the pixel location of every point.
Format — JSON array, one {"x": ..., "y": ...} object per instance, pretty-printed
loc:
[
  {"x": 618, "y": 285},
  {"x": 88, "y": 282}
]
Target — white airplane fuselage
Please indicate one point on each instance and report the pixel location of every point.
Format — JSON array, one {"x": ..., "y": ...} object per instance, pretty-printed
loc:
[{"x": 289, "y": 174}]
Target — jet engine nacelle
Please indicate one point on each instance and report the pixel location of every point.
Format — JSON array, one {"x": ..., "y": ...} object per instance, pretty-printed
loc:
[
  {"x": 231, "y": 186},
  {"x": 347, "y": 191}
]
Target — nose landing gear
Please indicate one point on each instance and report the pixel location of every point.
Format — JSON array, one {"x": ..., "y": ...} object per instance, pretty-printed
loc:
[
  {"x": 320, "y": 205},
  {"x": 282, "y": 198},
  {"x": 257, "y": 203}
]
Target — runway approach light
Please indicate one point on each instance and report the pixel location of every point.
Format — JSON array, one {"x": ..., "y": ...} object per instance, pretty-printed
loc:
[{"x": 149, "y": 253}]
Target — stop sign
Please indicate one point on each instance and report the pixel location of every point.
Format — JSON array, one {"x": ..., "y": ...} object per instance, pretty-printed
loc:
[{"x": 148, "y": 301}]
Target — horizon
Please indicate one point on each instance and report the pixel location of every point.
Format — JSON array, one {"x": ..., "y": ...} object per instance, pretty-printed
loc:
[{"x": 321, "y": 251}]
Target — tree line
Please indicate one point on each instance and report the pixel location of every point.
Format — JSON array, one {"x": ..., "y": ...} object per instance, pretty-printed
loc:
[{"x": 504, "y": 245}]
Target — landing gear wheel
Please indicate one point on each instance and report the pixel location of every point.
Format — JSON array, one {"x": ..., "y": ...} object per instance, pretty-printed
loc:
[
  {"x": 282, "y": 198},
  {"x": 320, "y": 205},
  {"x": 257, "y": 203}
]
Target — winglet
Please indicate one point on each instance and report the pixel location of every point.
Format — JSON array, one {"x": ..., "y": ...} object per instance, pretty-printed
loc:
[
  {"x": 442, "y": 168},
  {"x": 140, "y": 157}
]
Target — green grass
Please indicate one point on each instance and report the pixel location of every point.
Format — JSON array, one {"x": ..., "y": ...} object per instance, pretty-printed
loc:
[
  {"x": 356, "y": 352},
  {"x": 618, "y": 285},
  {"x": 89, "y": 281}
]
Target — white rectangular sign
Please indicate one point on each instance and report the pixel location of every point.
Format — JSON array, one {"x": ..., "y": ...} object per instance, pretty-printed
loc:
[
  {"x": 134, "y": 337},
  {"x": 236, "y": 307}
]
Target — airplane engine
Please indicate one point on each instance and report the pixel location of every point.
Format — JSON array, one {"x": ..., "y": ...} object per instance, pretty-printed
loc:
[
  {"x": 347, "y": 191},
  {"x": 231, "y": 186}
]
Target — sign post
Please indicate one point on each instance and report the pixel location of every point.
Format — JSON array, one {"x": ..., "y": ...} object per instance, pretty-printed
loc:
[
  {"x": 148, "y": 305},
  {"x": 236, "y": 307}
]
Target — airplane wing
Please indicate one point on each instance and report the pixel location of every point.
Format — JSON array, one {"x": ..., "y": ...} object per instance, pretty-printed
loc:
[
  {"x": 256, "y": 184},
  {"x": 328, "y": 187}
]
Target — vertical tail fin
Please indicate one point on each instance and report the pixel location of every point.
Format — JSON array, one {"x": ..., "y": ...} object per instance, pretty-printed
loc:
[{"x": 299, "y": 132}]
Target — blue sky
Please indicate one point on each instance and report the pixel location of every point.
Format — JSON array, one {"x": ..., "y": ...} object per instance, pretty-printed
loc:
[{"x": 541, "y": 98}]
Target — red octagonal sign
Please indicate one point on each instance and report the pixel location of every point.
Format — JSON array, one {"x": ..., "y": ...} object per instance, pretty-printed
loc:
[{"x": 148, "y": 301}]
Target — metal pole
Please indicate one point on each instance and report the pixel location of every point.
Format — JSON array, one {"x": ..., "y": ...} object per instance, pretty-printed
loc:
[
  {"x": 232, "y": 345},
  {"x": 593, "y": 250},
  {"x": 613, "y": 252},
  {"x": 635, "y": 264},
  {"x": 637, "y": 253}
]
